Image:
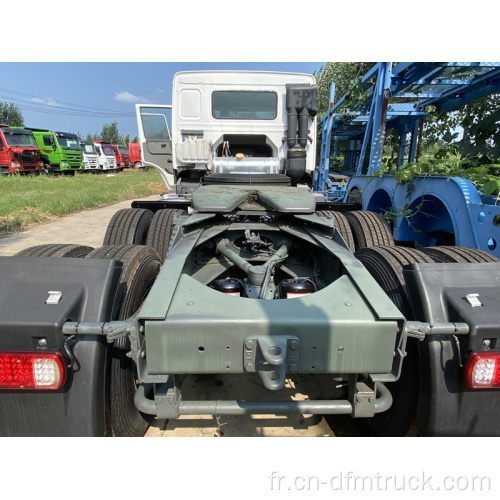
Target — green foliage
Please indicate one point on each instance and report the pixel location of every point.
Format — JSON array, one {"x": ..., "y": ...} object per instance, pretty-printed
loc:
[
  {"x": 109, "y": 133},
  {"x": 480, "y": 122},
  {"x": 347, "y": 78},
  {"x": 11, "y": 115},
  {"x": 446, "y": 162}
]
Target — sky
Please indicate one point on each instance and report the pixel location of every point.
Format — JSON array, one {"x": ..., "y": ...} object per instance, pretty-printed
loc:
[{"x": 81, "y": 97}]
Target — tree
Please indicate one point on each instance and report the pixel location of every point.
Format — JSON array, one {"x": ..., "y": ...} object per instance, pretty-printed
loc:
[
  {"x": 109, "y": 133},
  {"x": 345, "y": 75},
  {"x": 480, "y": 122},
  {"x": 11, "y": 115}
]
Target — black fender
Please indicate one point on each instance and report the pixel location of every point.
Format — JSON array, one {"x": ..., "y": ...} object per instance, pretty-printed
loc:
[
  {"x": 438, "y": 292},
  {"x": 88, "y": 290}
]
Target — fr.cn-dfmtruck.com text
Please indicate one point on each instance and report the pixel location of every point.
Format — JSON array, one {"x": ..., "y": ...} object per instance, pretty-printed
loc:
[{"x": 349, "y": 481}]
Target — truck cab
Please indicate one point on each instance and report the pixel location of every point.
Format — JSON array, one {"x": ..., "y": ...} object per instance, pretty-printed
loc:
[
  {"x": 19, "y": 152},
  {"x": 106, "y": 155},
  {"x": 90, "y": 157},
  {"x": 122, "y": 156},
  {"x": 225, "y": 127},
  {"x": 134, "y": 152},
  {"x": 62, "y": 150}
]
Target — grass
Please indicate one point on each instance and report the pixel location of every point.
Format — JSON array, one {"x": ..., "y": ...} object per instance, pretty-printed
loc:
[{"x": 26, "y": 201}]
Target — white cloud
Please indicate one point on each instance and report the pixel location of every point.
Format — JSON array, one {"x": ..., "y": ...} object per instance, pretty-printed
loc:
[
  {"x": 128, "y": 97},
  {"x": 47, "y": 101}
]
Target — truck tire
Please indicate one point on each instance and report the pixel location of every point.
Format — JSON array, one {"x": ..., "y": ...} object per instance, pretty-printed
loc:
[
  {"x": 342, "y": 225},
  {"x": 137, "y": 164},
  {"x": 385, "y": 264},
  {"x": 128, "y": 226},
  {"x": 458, "y": 254},
  {"x": 141, "y": 265},
  {"x": 369, "y": 229},
  {"x": 55, "y": 250},
  {"x": 252, "y": 179},
  {"x": 162, "y": 230}
]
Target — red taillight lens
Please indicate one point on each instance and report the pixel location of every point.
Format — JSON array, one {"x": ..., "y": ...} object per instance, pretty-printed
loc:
[
  {"x": 31, "y": 370},
  {"x": 483, "y": 370}
]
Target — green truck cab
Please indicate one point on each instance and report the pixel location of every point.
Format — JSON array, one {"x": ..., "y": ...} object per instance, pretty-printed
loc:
[{"x": 61, "y": 149}]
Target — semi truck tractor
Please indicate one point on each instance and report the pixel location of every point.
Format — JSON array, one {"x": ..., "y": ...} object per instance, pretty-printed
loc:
[
  {"x": 122, "y": 156},
  {"x": 241, "y": 270},
  {"x": 61, "y": 150},
  {"x": 134, "y": 152},
  {"x": 106, "y": 155},
  {"x": 90, "y": 157},
  {"x": 19, "y": 153}
]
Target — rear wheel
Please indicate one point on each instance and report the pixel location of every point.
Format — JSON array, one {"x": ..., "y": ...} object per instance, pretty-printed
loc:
[
  {"x": 369, "y": 229},
  {"x": 162, "y": 230},
  {"x": 458, "y": 254},
  {"x": 141, "y": 265},
  {"x": 128, "y": 226},
  {"x": 386, "y": 264},
  {"x": 342, "y": 225},
  {"x": 137, "y": 164},
  {"x": 55, "y": 250}
]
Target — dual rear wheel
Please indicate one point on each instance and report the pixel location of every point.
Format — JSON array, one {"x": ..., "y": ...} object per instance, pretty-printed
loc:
[
  {"x": 141, "y": 265},
  {"x": 386, "y": 265}
]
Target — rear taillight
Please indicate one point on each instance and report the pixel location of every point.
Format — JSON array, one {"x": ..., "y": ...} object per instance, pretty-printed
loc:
[
  {"x": 31, "y": 370},
  {"x": 483, "y": 370}
]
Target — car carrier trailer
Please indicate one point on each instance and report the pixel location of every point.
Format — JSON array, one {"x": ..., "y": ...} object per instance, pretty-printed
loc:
[{"x": 241, "y": 270}]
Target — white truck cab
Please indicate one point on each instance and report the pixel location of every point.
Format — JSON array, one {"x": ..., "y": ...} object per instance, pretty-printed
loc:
[
  {"x": 90, "y": 158},
  {"x": 106, "y": 155},
  {"x": 232, "y": 123}
]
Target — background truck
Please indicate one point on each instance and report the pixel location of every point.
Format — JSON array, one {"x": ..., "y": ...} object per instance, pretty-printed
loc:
[
  {"x": 242, "y": 270},
  {"x": 134, "y": 151},
  {"x": 90, "y": 158},
  {"x": 19, "y": 153},
  {"x": 61, "y": 148},
  {"x": 106, "y": 155},
  {"x": 122, "y": 156}
]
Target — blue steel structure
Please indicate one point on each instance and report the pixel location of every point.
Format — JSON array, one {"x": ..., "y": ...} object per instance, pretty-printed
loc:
[{"x": 437, "y": 210}]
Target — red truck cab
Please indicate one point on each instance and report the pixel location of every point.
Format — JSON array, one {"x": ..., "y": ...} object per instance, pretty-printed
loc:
[
  {"x": 19, "y": 152},
  {"x": 134, "y": 151},
  {"x": 122, "y": 156}
]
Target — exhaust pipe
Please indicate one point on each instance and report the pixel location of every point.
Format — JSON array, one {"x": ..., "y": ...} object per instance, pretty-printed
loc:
[{"x": 301, "y": 104}]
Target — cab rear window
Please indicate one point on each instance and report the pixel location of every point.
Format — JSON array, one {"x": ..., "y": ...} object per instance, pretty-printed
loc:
[{"x": 244, "y": 105}]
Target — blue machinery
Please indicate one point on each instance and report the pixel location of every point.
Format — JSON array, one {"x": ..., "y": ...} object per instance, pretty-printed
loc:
[{"x": 437, "y": 210}]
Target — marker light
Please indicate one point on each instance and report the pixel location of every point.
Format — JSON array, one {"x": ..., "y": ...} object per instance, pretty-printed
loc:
[
  {"x": 31, "y": 370},
  {"x": 483, "y": 370}
]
